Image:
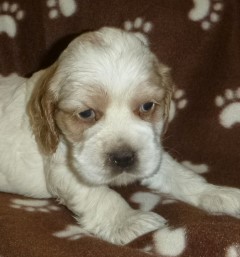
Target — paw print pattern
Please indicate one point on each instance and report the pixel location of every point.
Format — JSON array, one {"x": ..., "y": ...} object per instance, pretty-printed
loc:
[
  {"x": 64, "y": 7},
  {"x": 178, "y": 102},
  {"x": 31, "y": 205},
  {"x": 139, "y": 27},
  {"x": 229, "y": 103},
  {"x": 197, "y": 168},
  {"x": 207, "y": 12},
  {"x": 233, "y": 251},
  {"x": 147, "y": 201},
  {"x": 10, "y": 15},
  {"x": 72, "y": 232},
  {"x": 168, "y": 201},
  {"x": 170, "y": 242},
  {"x": 147, "y": 249}
]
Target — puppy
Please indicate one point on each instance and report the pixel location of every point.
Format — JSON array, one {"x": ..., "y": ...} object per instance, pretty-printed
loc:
[{"x": 94, "y": 119}]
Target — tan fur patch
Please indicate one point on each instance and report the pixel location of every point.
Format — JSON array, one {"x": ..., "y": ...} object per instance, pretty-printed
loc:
[
  {"x": 157, "y": 89},
  {"x": 71, "y": 125},
  {"x": 41, "y": 109},
  {"x": 67, "y": 118}
]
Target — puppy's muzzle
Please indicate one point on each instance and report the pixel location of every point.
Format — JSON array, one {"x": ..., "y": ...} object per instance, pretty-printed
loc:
[{"x": 122, "y": 159}]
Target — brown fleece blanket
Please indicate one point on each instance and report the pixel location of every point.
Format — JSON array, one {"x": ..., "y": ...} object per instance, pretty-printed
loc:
[{"x": 200, "y": 41}]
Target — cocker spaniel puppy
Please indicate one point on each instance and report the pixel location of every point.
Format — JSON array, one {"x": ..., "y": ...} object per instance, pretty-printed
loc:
[{"x": 94, "y": 119}]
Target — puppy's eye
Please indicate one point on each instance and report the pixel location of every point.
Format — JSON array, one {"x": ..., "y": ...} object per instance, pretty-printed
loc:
[
  {"x": 146, "y": 107},
  {"x": 87, "y": 115}
]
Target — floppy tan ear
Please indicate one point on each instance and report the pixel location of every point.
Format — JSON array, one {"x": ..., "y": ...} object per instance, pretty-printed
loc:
[
  {"x": 168, "y": 85},
  {"x": 41, "y": 109}
]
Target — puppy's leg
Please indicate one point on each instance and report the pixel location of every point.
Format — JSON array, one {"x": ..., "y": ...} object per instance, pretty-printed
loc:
[
  {"x": 185, "y": 185},
  {"x": 102, "y": 211},
  {"x": 107, "y": 215}
]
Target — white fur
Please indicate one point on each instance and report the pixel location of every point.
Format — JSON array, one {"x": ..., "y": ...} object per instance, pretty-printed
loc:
[
  {"x": 76, "y": 173},
  {"x": 21, "y": 168}
]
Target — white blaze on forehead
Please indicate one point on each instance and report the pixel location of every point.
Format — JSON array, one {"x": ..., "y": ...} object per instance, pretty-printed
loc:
[{"x": 120, "y": 61}]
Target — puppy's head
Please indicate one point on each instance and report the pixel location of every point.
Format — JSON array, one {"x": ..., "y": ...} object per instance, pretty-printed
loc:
[{"x": 107, "y": 98}]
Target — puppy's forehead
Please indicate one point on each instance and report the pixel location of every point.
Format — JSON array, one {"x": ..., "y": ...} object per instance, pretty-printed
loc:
[{"x": 110, "y": 58}]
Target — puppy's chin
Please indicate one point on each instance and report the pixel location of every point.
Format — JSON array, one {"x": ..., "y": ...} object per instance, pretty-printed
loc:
[{"x": 124, "y": 178}]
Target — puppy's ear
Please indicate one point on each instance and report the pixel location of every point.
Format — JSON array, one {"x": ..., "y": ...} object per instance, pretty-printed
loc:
[
  {"x": 41, "y": 109},
  {"x": 168, "y": 85}
]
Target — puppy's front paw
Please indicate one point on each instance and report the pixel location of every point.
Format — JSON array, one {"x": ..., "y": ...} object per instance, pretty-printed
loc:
[
  {"x": 126, "y": 226},
  {"x": 224, "y": 200},
  {"x": 135, "y": 224}
]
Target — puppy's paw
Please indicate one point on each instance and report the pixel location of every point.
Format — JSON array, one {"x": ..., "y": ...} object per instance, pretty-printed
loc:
[
  {"x": 126, "y": 227},
  {"x": 134, "y": 225},
  {"x": 221, "y": 200}
]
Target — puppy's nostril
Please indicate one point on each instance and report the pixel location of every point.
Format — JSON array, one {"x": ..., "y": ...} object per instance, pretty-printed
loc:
[{"x": 122, "y": 159}]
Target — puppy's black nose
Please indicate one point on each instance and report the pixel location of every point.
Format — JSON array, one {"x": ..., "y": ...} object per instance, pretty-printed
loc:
[{"x": 122, "y": 158}]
